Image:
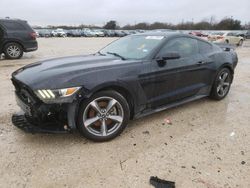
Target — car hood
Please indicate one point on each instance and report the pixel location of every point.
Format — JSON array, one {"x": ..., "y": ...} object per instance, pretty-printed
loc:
[{"x": 55, "y": 73}]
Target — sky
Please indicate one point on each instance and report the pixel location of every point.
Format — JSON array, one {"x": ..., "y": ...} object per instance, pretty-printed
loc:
[{"x": 98, "y": 12}]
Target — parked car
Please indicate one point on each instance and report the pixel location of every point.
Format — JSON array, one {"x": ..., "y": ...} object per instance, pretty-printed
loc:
[
  {"x": 199, "y": 34},
  {"x": 16, "y": 37},
  {"x": 98, "y": 33},
  {"x": 131, "y": 32},
  {"x": 88, "y": 33},
  {"x": 111, "y": 33},
  {"x": 74, "y": 33},
  {"x": 163, "y": 30},
  {"x": 248, "y": 34},
  {"x": 119, "y": 33},
  {"x": 242, "y": 34},
  {"x": 59, "y": 33},
  {"x": 108, "y": 33},
  {"x": 37, "y": 33},
  {"x": 45, "y": 33},
  {"x": 226, "y": 37},
  {"x": 132, "y": 77}
]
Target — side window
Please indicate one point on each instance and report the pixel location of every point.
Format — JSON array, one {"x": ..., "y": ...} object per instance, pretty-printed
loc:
[
  {"x": 204, "y": 47},
  {"x": 13, "y": 26},
  {"x": 230, "y": 34},
  {"x": 186, "y": 47}
]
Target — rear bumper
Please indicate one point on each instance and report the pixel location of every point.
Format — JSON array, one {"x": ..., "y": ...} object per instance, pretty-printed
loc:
[{"x": 30, "y": 46}]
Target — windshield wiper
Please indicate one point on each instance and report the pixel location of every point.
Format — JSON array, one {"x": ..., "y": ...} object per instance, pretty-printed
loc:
[
  {"x": 117, "y": 55},
  {"x": 101, "y": 53}
]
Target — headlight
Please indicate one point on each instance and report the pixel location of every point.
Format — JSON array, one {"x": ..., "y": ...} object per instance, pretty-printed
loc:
[{"x": 48, "y": 94}]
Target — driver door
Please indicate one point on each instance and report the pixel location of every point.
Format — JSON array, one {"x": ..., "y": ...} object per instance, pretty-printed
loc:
[{"x": 177, "y": 79}]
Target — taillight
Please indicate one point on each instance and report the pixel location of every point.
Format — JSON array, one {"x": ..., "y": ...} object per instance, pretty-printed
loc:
[{"x": 33, "y": 35}]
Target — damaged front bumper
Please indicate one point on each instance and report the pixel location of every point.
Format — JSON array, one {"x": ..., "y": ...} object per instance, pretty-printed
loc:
[
  {"x": 21, "y": 121},
  {"x": 38, "y": 117}
]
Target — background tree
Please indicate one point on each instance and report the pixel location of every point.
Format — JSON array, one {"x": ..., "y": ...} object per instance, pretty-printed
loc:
[
  {"x": 247, "y": 26},
  {"x": 229, "y": 24},
  {"x": 112, "y": 24},
  {"x": 205, "y": 24}
]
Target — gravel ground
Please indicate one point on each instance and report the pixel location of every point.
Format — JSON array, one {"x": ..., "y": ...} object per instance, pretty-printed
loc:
[{"x": 207, "y": 144}]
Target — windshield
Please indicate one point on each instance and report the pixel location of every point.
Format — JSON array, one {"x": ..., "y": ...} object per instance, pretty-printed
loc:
[{"x": 133, "y": 47}]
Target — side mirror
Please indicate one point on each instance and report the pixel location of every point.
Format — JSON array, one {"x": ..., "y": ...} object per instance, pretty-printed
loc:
[{"x": 169, "y": 56}]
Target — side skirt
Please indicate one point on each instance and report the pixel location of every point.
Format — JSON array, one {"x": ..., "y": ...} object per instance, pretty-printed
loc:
[{"x": 171, "y": 105}]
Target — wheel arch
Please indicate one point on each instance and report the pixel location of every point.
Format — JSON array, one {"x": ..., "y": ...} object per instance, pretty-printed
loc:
[
  {"x": 13, "y": 41},
  {"x": 227, "y": 65},
  {"x": 123, "y": 91}
]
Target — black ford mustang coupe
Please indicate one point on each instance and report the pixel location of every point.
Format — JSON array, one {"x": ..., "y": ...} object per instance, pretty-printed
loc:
[{"x": 132, "y": 77}]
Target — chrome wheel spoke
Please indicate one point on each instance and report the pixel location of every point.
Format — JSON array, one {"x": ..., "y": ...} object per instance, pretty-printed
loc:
[
  {"x": 104, "y": 128},
  {"x": 221, "y": 91},
  {"x": 95, "y": 106},
  {"x": 218, "y": 88},
  {"x": 224, "y": 76},
  {"x": 220, "y": 77},
  {"x": 226, "y": 84},
  {"x": 90, "y": 121},
  {"x": 116, "y": 118},
  {"x": 111, "y": 103}
]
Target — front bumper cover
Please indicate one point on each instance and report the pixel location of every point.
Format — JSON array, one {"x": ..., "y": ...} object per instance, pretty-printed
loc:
[
  {"x": 37, "y": 116},
  {"x": 22, "y": 122}
]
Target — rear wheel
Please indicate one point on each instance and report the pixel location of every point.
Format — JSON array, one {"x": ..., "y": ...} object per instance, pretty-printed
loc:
[
  {"x": 103, "y": 116},
  {"x": 240, "y": 43},
  {"x": 221, "y": 84},
  {"x": 13, "y": 51}
]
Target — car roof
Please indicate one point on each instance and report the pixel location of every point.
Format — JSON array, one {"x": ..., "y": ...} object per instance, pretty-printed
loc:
[
  {"x": 170, "y": 35},
  {"x": 11, "y": 20}
]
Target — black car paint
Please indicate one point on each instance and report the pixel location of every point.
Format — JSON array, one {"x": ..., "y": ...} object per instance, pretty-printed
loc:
[
  {"x": 21, "y": 37},
  {"x": 149, "y": 84}
]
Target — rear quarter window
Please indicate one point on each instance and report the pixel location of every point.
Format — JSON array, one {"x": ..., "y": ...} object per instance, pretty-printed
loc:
[
  {"x": 13, "y": 26},
  {"x": 204, "y": 47}
]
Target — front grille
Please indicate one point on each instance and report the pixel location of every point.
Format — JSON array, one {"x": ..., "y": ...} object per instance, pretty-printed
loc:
[{"x": 24, "y": 93}]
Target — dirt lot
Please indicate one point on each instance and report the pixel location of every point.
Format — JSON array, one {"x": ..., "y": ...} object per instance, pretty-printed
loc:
[{"x": 207, "y": 145}]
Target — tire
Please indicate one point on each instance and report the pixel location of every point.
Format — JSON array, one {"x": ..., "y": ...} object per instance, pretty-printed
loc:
[
  {"x": 103, "y": 116},
  {"x": 240, "y": 43},
  {"x": 227, "y": 41},
  {"x": 13, "y": 51},
  {"x": 221, "y": 84}
]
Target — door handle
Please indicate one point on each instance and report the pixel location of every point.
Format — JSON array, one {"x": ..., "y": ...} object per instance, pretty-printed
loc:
[{"x": 201, "y": 63}]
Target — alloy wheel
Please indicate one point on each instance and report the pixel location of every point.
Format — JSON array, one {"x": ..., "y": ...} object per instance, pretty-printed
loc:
[
  {"x": 103, "y": 116},
  {"x": 224, "y": 84},
  {"x": 13, "y": 51}
]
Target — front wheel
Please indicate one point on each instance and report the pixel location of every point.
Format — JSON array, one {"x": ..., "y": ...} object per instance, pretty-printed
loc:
[
  {"x": 103, "y": 116},
  {"x": 221, "y": 84},
  {"x": 13, "y": 51}
]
